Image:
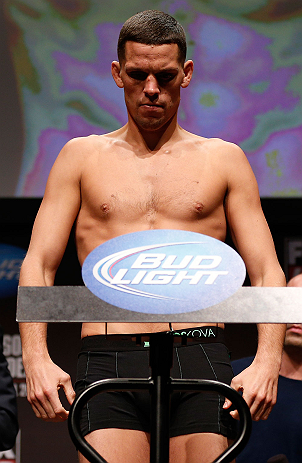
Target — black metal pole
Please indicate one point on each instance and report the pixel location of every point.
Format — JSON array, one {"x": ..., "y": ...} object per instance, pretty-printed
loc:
[
  {"x": 160, "y": 386},
  {"x": 161, "y": 358}
]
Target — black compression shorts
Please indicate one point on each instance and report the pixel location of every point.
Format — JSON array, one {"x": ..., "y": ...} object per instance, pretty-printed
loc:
[{"x": 118, "y": 356}]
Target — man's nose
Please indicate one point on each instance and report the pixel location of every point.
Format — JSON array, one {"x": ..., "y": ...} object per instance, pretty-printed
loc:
[{"x": 151, "y": 86}]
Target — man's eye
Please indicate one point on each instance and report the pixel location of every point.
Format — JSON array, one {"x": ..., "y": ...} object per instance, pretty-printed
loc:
[
  {"x": 138, "y": 75},
  {"x": 165, "y": 77}
]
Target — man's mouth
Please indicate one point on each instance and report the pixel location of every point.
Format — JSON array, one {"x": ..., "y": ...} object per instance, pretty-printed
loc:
[
  {"x": 152, "y": 105},
  {"x": 151, "y": 109},
  {"x": 295, "y": 328}
]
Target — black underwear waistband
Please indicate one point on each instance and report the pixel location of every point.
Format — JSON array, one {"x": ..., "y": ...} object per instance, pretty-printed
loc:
[{"x": 109, "y": 342}]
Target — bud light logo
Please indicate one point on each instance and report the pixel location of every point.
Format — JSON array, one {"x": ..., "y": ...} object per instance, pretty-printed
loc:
[
  {"x": 11, "y": 258},
  {"x": 163, "y": 271}
]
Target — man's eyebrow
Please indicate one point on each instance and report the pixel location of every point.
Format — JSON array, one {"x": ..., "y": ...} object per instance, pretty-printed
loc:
[
  {"x": 130, "y": 68},
  {"x": 169, "y": 69}
]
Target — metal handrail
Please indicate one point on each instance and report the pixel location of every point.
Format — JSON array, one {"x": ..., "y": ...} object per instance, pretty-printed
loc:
[
  {"x": 245, "y": 423},
  {"x": 129, "y": 384}
]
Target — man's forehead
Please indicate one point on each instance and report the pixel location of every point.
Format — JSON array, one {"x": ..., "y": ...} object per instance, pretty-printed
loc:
[{"x": 140, "y": 53}]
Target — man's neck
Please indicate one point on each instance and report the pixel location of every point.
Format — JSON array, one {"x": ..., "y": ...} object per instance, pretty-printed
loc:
[
  {"x": 152, "y": 140},
  {"x": 291, "y": 366}
]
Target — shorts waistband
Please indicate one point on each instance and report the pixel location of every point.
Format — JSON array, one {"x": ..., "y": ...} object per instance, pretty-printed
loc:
[{"x": 109, "y": 342}]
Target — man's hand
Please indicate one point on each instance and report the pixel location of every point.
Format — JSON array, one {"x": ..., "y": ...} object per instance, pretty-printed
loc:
[
  {"x": 43, "y": 383},
  {"x": 258, "y": 385}
]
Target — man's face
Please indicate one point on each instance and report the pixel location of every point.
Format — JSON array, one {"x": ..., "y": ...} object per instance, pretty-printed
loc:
[
  {"x": 293, "y": 336},
  {"x": 152, "y": 77}
]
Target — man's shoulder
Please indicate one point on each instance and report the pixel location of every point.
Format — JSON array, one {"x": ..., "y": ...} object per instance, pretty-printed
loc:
[
  {"x": 223, "y": 147},
  {"x": 80, "y": 148},
  {"x": 216, "y": 145},
  {"x": 86, "y": 141}
]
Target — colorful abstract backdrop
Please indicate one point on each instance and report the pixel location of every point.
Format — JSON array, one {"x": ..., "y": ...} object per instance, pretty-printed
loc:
[{"x": 247, "y": 84}]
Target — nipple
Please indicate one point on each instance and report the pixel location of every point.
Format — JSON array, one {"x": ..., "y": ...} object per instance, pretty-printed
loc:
[
  {"x": 199, "y": 207},
  {"x": 105, "y": 208}
]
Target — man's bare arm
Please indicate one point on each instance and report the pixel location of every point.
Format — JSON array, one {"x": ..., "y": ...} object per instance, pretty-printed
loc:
[
  {"x": 254, "y": 242},
  {"x": 50, "y": 235}
]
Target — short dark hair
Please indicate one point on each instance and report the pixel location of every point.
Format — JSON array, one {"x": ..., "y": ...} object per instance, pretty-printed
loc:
[{"x": 152, "y": 27}]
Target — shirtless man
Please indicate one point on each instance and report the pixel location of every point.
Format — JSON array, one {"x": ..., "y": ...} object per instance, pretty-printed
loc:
[{"x": 150, "y": 174}]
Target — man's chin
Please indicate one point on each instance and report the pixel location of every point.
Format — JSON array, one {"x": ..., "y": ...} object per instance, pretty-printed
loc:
[
  {"x": 293, "y": 339},
  {"x": 151, "y": 124}
]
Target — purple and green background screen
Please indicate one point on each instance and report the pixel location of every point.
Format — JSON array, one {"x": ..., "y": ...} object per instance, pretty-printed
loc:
[{"x": 247, "y": 84}]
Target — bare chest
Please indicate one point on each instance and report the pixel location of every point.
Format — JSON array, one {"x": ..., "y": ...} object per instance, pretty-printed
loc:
[{"x": 167, "y": 187}]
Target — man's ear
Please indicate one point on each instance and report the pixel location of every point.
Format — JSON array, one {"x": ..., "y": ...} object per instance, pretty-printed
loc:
[
  {"x": 116, "y": 73},
  {"x": 188, "y": 71}
]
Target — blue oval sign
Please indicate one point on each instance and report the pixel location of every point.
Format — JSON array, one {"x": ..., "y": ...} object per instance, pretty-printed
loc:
[
  {"x": 163, "y": 271},
  {"x": 11, "y": 258}
]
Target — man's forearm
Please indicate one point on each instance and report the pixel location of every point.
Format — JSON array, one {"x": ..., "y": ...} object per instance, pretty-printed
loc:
[
  {"x": 270, "y": 342},
  {"x": 34, "y": 335},
  {"x": 271, "y": 335},
  {"x": 34, "y": 340},
  {"x": 43, "y": 377}
]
